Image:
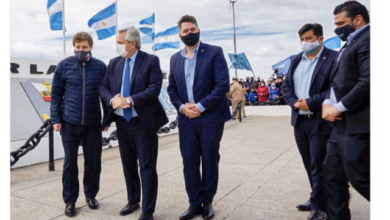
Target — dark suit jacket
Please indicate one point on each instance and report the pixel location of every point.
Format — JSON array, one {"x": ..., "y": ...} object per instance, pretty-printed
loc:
[
  {"x": 211, "y": 83},
  {"x": 146, "y": 81},
  {"x": 319, "y": 86},
  {"x": 350, "y": 80}
]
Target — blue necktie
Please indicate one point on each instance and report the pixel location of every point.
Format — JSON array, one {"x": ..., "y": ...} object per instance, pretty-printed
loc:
[{"x": 126, "y": 90}]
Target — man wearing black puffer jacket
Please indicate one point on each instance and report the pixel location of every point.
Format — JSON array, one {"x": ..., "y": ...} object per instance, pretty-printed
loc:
[{"x": 75, "y": 112}]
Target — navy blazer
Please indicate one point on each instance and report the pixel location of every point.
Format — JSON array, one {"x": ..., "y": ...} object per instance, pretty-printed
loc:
[
  {"x": 319, "y": 86},
  {"x": 211, "y": 83},
  {"x": 146, "y": 82},
  {"x": 350, "y": 80}
]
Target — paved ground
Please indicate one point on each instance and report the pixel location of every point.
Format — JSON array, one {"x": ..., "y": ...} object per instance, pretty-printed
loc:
[{"x": 261, "y": 177}]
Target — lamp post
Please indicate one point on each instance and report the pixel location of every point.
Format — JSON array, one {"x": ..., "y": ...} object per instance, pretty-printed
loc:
[{"x": 234, "y": 28}]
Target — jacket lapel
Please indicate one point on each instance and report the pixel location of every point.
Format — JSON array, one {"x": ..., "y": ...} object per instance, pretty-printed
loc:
[
  {"x": 137, "y": 64},
  {"x": 199, "y": 59},
  {"x": 321, "y": 61},
  {"x": 296, "y": 61},
  {"x": 119, "y": 73},
  {"x": 347, "y": 48}
]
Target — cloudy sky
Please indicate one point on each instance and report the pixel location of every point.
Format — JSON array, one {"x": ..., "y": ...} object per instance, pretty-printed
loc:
[{"x": 266, "y": 29}]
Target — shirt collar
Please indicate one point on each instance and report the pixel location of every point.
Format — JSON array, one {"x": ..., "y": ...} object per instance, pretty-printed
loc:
[
  {"x": 184, "y": 51},
  {"x": 353, "y": 35},
  {"x": 304, "y": 56},
  {"x": 133, "y": 57}
]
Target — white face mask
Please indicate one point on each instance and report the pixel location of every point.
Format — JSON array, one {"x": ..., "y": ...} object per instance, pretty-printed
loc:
[
  {"x": 310, "y": 47},
  {"x": 121, "y": 50}
]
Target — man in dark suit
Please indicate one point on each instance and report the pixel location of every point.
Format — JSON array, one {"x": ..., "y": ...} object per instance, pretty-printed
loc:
[
  {"x": 130, "y": 91},
  {"x": 347, "y": 107},
  {"x": 198, "y": 82},
  {"x": 305, "y": 88}
]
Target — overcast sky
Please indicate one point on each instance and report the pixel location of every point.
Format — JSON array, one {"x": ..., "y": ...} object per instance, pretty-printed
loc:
[{"x": 266, "y": 29}]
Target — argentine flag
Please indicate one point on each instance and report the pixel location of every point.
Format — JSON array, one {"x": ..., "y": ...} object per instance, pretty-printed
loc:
[
  {"x": 167, "y": 39},
  {"x": 147, "y": 26},
  {"x": 104, "y": 22},
  {"x": 54, "y": 10},
  {"x": 333, "y": 43}
]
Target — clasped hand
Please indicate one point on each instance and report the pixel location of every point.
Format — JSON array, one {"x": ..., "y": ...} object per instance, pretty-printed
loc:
[
  {"x": 331, "y": 113},
  {"x": 301, "y": 104},
  {"x": 120, "y": 102},
  {"x": 190, "y": 110}
]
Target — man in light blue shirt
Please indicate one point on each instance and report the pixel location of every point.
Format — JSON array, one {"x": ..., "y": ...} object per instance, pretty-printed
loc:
[{"x": 305, "y": 88}]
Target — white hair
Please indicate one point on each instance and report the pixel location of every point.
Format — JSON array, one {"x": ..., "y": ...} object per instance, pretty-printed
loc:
[{"x": 132, "y": 34}]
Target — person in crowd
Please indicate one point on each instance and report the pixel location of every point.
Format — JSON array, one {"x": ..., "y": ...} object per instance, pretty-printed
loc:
[
  {"x": 130, "y": 90},
  {"x": 243, "y": 100},
  {"x": 262, "y": 92},
  {"x": 347, "y": 107},
  {"x": 304, "y": 88},
  {"x": 273, "y": 92},
  {"x": 247, "y": 86},
  {"x": 258, "y": 81},
  {"x": 275, "y": 74},
  {"x": 75, "y": 112},
  {"x": 198, "y": 81},
  {"x": 235, "y": 93},
  {"x": 279, "y": 82},
  {"x": 253, "y": 98}
]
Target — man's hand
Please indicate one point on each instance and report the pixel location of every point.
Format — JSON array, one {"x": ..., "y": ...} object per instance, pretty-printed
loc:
[
  {"x": 194, "y": 108},
  {"x": 330, "y": 113},
  {"x": 189, "y": 111},
  {"x": 303, "y": 106},
  {"x": 298, "y": 105},
  {"x": 120, "y": 102},
  {"x": 106, "y": 128},
  {"x": 57, "y": 127}
]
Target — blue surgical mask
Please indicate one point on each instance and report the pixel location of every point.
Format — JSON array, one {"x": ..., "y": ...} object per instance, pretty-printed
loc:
[{"x": 310, "y": 47}]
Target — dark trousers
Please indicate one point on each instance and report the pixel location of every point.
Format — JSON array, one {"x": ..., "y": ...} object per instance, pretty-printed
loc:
[
  {"x": 312, "y": 148},
  {"x": 199, "y": 142},
  {"x": 347, "y": 159},
  {"x": 91, "y": 137},
  {"x": 135, "y": 144}
]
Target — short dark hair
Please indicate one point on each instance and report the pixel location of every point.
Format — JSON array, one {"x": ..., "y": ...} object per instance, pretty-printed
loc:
[
  {"x": 353, "y": 9},
  {"x": 317, "y": 29},
  {"x": 82, "y": 36},
  {"x": 187, "y": 18}
]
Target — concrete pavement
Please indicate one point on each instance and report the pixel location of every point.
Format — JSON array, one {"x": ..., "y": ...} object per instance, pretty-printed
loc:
[{"x": 261, "y": 177}]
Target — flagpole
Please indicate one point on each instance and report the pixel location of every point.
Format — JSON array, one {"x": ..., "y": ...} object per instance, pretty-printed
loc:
[
  {"x": 116, "y": 22},
  {"x": 154, "y": 31},
  {"x": 63, "y": 27}
]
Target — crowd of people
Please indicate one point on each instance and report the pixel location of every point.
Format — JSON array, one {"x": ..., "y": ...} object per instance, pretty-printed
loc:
[{"x": 257, "y": 92}]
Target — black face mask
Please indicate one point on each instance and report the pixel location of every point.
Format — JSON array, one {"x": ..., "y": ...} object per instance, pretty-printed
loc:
[
  {"x": 83, "y": 55},
  {"x": 344, "y": 31},
  {"x": 191, "y": 39}
]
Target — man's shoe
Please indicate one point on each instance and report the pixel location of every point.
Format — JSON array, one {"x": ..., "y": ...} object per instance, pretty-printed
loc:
[
  {"x": 304, "y": 206},
  {"x": 191, "y": 212},
  {"x": 92, "y": 203},
  {"x": 146, "y": 216},
  {"x": 70, "y": 209},
  {"x": 129, "y": 208},
  {"x": 208, "y": 211},
  {"x": 316, "y": 215}
]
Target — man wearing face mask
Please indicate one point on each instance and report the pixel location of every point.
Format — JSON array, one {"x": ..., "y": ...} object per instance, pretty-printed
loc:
[
  {"x": 347, "y": 107},
  {"x": 130, "y": 90},
  {"x": 75, "y": 112},
  {"x": 304, "y": 88},
  {"x": 198, "y": 81}
]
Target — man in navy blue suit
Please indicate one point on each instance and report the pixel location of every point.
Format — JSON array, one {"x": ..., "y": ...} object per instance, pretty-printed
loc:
[
  {"x": 130, "y": 92},
  {"x": 305, "y": 88},
  {"x": 198, "y": 82}
]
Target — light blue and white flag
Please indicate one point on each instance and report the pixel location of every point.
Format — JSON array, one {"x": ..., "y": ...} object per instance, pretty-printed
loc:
[
  {"x": 239, "y": 61},
  {"x": 147, "y": 26},
  {"x": 333, "y": 43},
  {"x": 167, "y": 39},
  {"x": 283, "y": 65},
  {"x": 104, "y": 22},
  {"x": 54, "y": 10}
]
